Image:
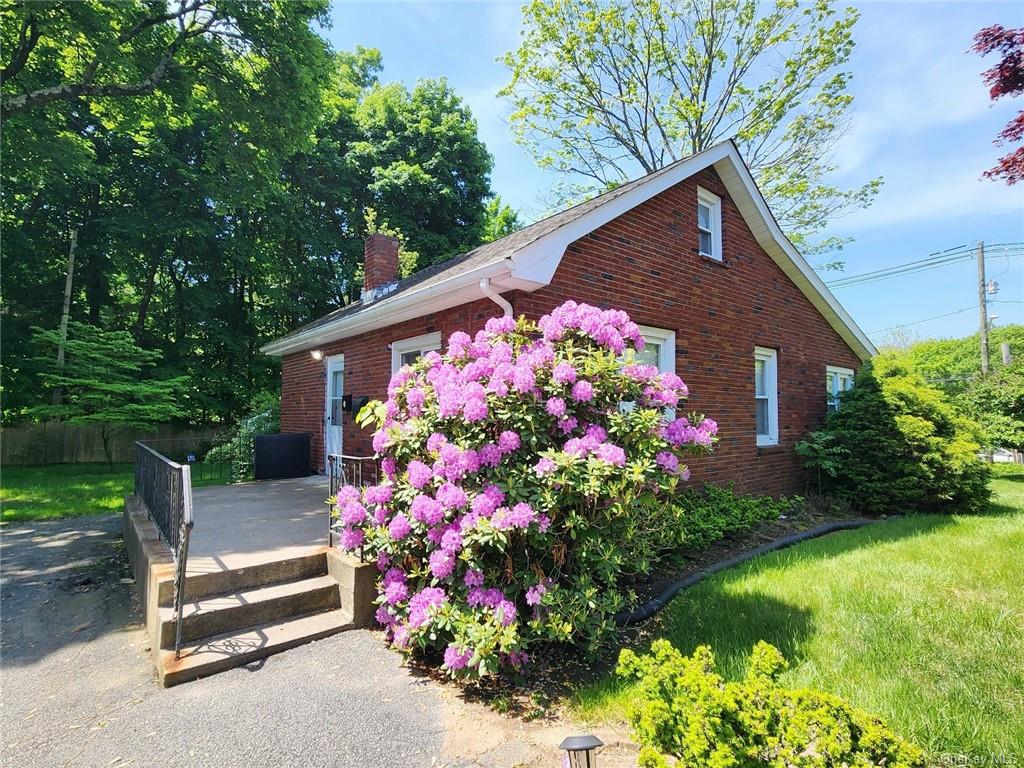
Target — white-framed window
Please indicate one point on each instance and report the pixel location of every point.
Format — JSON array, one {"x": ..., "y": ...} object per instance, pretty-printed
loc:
[
  {"x": 836, "y": 380},
  {"x": 709, "y": 224},
  {"x": 766, "y": 395},
  {"x": 660, "y": 351},
  {"x": 408, "y": 351}
]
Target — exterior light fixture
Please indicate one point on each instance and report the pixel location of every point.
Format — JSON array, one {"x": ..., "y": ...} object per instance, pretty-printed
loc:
[
  {"x": 316, "y": 354},
  {"x": 580, "y": 751}
]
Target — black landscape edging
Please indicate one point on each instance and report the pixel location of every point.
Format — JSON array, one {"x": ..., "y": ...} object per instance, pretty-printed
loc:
[{"x": 645, "y": 611}]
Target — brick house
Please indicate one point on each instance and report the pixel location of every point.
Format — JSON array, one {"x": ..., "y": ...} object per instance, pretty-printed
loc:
[{"x": 691, "y": 252}]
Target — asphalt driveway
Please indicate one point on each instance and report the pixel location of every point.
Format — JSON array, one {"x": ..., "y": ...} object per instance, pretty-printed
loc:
[{"x": 78, "y": 688}]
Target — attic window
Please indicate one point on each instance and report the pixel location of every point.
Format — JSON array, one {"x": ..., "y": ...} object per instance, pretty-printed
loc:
[{"x": 709, "y": 224}]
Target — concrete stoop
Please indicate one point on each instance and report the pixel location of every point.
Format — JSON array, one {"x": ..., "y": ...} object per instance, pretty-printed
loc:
[{"x": 234, "y": 617}]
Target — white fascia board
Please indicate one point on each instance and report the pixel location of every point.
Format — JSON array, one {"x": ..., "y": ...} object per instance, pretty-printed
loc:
[
  {"x": 407, "y": 305},
  {"x": 769, "y": 235},
  {"x": 539, "y": 260},
  {"x": 533, "y": 266}
]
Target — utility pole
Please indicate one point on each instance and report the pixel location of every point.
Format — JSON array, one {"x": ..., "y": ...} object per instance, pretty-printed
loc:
[
  {"x": 983, "y": 308},
  {"x": 66, "y": 312}
]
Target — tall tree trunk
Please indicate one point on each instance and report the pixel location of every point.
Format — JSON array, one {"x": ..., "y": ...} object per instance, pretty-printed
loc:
[
  {"x": 107, "y": 435},
  {"x": 147, "y": 296},
  {"x": 65, "y": 314}
]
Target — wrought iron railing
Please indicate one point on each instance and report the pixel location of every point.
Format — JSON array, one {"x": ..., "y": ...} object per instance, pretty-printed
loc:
[
  {"x": 165, "y": 488},
  {"x": 214, "y": 459},
  {"x": 348, "y": 470}
]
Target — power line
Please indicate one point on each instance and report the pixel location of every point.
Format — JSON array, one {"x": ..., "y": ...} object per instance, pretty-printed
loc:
[
  {"x": 948, "y": 314},
  {"x": 906, "y": 270},
  {"x": 935, "y": 254},
  {"x": 939, "y": 258},
  {"x": 927, "y": 319}
]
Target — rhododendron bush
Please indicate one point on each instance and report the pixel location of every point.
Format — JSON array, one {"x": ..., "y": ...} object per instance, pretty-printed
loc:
[{"x": 525, "y": 478}]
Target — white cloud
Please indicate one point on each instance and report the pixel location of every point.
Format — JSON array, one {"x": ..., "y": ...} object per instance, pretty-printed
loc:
[
  {"x": 908, "y": 83},
  {"x": 942, "y": 190}
]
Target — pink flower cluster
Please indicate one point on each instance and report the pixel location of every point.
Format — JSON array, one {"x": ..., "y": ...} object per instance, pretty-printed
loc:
[
  {"x": 459, "y": 451},
  {"x": 591, "y": 444},
  {"x": 611, "y": 328},
  {"x": 681, "y": 432}
]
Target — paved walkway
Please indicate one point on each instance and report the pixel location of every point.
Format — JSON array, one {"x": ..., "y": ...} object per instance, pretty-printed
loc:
[
  {"x": 238, "y": 525},
  {"x": 79, "y": 688}
]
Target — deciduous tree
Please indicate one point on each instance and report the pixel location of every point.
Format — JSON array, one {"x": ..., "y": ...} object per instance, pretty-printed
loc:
[
  {"x": 996, "y": 402},
  {"x": 606, "y": 89},
  {"x": 107, "y": 380},
  {"x": 1006, "y": 78}
]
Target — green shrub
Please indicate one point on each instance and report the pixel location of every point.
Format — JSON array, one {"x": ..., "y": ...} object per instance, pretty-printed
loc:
[
  {"x": 239, "y": 450},
  {"x": 685, "y": 710},
  {"x": 896, "y": 445},
  {"x": 996, "y": 402},
  {"x": 706, "y": 515}
]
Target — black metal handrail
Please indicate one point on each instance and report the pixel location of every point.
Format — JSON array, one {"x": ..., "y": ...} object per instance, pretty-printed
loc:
[
  {"x": 348, "y": 470},
  {"x": 165, "y": 488},
  {"x": 223, "y": 457}
]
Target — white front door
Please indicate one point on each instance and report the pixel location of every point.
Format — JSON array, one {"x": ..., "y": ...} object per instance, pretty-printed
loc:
[{"x": 333, "y": 415}]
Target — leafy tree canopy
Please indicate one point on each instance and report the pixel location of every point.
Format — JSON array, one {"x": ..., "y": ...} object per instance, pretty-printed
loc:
[
  {"x": 951, "y": 363},
  {"x": 606, "y": 89},
  {"x": 996, "y": 402},
  {"x": 1006, "y": 78},
  {"x": 217, "y": 161},
  {"x": 106, "y": 379}
]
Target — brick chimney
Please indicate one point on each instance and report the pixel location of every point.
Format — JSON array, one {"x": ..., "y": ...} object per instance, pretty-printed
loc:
[{"x": 380, "y": 265}]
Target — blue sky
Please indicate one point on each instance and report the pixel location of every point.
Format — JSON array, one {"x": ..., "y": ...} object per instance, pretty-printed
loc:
[{"x": 921, "y": 119}]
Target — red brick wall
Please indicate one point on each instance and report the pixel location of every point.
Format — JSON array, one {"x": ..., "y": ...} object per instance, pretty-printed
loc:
[
  {"x": 646, "y": 262},
  {"x": 367, "y": 372}
]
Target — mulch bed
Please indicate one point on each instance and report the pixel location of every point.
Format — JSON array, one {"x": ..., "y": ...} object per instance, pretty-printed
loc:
[
  {"x": 554, "y": 672},
  {"x": 810, "y": 515}
]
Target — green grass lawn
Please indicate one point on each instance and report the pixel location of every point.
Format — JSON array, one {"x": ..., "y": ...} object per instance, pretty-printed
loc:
[
  {"x": 67, "y": 490},
  {"x": 919, "y": 620}
]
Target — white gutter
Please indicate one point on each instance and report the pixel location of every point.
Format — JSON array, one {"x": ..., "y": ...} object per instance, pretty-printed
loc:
[
  {"x": 497, "y": 298},
  {"x": 415, "y": 301}
]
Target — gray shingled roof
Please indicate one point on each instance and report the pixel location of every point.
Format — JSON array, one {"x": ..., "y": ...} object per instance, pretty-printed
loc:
[{"x": 489, "y": 253}]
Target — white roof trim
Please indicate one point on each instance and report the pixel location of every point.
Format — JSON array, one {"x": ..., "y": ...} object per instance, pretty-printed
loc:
[
  {"x": 407, "y": 305},
  {"x": 533, "y": 265}
]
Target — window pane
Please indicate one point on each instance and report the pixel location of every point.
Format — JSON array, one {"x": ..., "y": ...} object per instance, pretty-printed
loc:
[
  {"x": 845, "y": 383},
  {"x": 759, "y": 383},
  {"x": 336, "y": 383},
  {"x": 408, "y": 358},
  {"x": 762, "y": 415},
  {"x": 650, "y": 355},
  {"x": 336, "y": 411},
  {"x": 705, "y": 243},
  {"x": 830, "y": 383},
  {"x": 703, "y": 216}
]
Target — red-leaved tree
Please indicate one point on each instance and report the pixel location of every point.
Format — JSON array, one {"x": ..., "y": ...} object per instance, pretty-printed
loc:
[{"x": 1006, "y": 78}]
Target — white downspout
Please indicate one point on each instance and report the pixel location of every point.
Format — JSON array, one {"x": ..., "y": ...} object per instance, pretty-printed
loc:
[{"x": 490, "y": 293}]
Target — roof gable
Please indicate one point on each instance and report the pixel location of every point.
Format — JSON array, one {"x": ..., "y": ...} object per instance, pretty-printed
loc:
[{"x": 527, "y": 259}]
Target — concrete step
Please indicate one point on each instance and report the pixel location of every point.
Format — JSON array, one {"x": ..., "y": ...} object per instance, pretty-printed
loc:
[
  {"x": 233, "y": 649},
  {"x": 231, "y": 611},
  {"x": 201, "y": 585}
]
